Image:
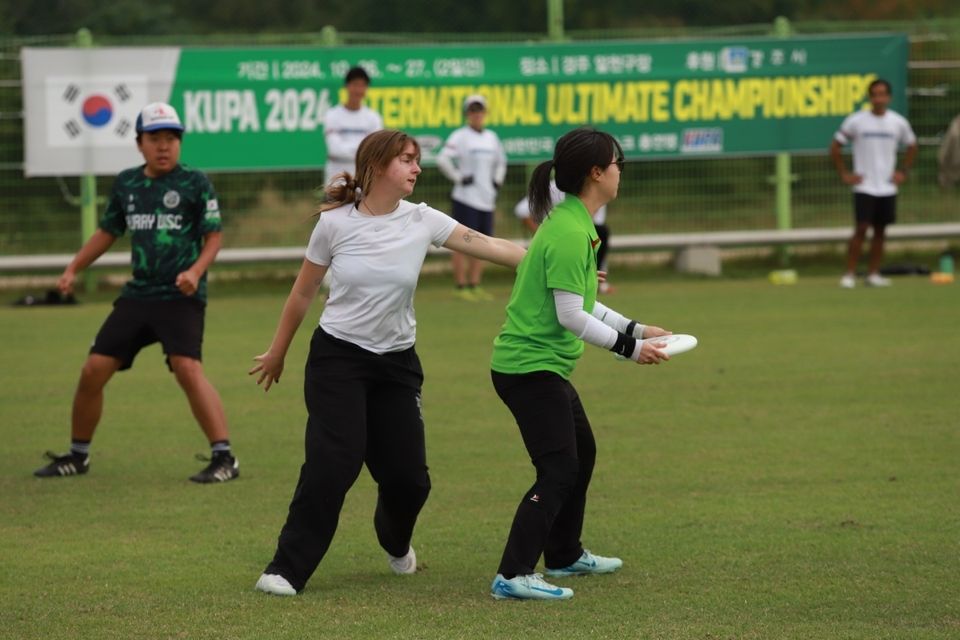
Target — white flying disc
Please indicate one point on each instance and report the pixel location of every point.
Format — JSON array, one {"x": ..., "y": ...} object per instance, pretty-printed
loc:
[{"x": 676, "y": 343}]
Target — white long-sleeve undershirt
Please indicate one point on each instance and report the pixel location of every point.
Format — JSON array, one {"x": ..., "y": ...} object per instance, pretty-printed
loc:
[
  {"x": 611, "y": 318},
  {"x": 587, "y": 327}
]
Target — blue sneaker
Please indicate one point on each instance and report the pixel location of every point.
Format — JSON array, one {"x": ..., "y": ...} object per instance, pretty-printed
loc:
[
  {"x": 588, "y": 564},
  {"x": 530, "y": 587}
]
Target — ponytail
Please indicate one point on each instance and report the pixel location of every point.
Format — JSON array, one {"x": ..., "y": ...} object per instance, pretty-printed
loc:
[
  {"x": 539, "y": 191},
  {"x": 341, "y": 190}
]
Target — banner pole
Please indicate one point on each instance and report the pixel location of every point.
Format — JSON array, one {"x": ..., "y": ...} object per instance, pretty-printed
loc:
[
  {"x": 783, "y": 177},
  {"x": 88, "y": 190},
  {"x": 554, "y": 34},
  {"x": 555, "y": 21}
]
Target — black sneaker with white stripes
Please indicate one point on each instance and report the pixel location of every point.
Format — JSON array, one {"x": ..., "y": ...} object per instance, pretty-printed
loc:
[
  {"x": 69, "y": 464},
  {"x": 222, "y": 467}
]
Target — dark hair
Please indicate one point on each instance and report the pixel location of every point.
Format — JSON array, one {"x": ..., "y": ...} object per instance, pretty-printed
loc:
[
  {"x": 356, "y": 73},
  {"x": 576, "y": 153},
  {"x": 176, "y": 132},
  {"x": 374, "y": 154},
  {"x": 879, "y": 81}
]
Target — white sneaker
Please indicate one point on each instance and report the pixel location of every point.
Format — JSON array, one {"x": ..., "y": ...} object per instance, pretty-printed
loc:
[
  {"x": 877, "y": 280},
  {"x": 587, "y": 564},
  {"x": 848, "y": 281},
  {"x": 275, "y": 584},
  {"x": 404, "y": 565}
]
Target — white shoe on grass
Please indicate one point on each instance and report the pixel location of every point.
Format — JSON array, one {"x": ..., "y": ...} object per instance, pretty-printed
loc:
[
  {"x": 848, "y": 281},
  {"x": 275, "y": 584},
  {"x": 877, "y": 280},
  {"x": 404, "y": 565},
  {"x": 587, "y": 564},
  {"x": 529, "y": 587}
]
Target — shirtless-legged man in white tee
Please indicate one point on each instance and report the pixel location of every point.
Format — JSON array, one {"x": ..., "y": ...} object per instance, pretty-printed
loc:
[{"x": 875, "y": 136}]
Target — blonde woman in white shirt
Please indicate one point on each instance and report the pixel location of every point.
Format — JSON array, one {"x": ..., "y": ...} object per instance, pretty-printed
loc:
[
  {"x": 363, "y": 377},
  {"x": 474, "y": 160},
  {"x": 875, "y": 136}
]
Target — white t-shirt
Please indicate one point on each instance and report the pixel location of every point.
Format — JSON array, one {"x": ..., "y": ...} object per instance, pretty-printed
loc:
[
  {"x": 374, "y": 264},
  {"x": 479, "y": 154},
  {"x": 343, "y": 130},
  {"x": 522, "y": 210},
  {"x": 875, "y": 142}
]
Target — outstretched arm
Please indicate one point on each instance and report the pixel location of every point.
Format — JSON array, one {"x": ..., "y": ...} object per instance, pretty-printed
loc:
[
  {"x": 270, "y": 363},
  {"x": 475, "y": 244},
  {"x": 92, "y": 249}
]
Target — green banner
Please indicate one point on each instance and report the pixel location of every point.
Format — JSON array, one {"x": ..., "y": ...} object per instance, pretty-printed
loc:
[{"x": 262, "y": 109}]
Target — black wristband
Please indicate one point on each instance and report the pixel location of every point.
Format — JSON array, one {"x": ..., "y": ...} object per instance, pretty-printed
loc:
[
  {"x": 630, "y": 327},
  {"x": 624, "y": 345}
]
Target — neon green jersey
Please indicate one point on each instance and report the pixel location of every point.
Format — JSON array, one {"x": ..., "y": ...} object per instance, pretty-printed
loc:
[
  {"x": 167, "y": 218},
  {"x": 562, "y": 255}
]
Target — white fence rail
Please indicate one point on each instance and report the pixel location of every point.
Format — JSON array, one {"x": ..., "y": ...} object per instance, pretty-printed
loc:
[{"x": 652, "y": 241}]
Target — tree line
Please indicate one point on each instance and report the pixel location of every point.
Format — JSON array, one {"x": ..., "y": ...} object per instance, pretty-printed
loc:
[{"x": 193, "y": 17}]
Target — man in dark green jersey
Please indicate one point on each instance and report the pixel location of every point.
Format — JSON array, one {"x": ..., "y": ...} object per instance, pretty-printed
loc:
[{"x": 172, "y": 214}]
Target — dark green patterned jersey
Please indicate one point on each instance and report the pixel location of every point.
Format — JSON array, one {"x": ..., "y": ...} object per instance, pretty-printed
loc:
[{"x": 167, "y": 218}]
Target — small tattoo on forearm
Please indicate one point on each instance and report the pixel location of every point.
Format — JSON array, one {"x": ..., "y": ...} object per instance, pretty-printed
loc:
[{"x": 471, "y": 235}]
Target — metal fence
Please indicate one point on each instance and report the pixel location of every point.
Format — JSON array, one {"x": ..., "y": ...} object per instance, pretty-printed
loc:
[{"x": 41, "y": 215}]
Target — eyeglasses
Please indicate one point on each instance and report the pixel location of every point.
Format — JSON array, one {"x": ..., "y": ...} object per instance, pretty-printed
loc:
[{"x": 619, "y": 162}]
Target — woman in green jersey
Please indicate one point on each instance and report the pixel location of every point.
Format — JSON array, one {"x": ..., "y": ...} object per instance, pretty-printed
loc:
[{"x": 552, "y": 311}]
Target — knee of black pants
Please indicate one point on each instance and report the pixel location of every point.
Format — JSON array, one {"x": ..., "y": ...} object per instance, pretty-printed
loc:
[
  {"x": 557, "y": 474},
  {"x": 586, "y": 457},
  {"x": 408, "y": 495}
]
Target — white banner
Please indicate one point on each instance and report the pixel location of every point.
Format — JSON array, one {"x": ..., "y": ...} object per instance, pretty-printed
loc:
[{"x": 81, "y": 106}]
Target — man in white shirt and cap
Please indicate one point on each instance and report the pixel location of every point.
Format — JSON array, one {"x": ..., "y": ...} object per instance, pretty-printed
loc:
[{"x": 474, "y": 160}]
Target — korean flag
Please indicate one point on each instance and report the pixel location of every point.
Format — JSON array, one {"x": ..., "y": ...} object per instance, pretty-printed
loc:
[{"x": 94, "y": 111}]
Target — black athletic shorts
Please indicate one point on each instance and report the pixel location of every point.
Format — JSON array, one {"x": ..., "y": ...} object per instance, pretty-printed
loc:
[
  {"x": 134, "y": 324},
  {"x": 471, "y": 218},
  {"x": 878, "y": 211}
]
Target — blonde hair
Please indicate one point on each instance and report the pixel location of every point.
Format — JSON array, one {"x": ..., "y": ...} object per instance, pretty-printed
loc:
[{"x": 374, "y": 155}]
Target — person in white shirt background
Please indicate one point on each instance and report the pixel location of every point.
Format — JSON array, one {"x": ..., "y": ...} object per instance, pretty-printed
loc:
[
  {"x": 522, "y": 211},
  {"x": 347, "y": 124},
  {"x": 474, "y": 160},
  {"x": 363, "y": 378},
  {"x": 876, "y": 135}
]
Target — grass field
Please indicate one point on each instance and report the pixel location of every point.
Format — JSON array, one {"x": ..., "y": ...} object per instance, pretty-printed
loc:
[{"x": 796, "y": 476}]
